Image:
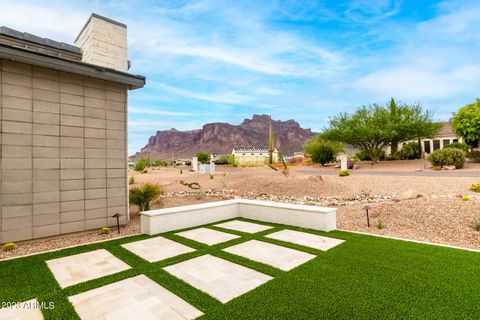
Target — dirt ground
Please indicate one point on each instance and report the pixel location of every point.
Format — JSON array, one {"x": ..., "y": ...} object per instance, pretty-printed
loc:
[
  {"x": 300, "y": 182},
  {"x": 439, "y": 215}
]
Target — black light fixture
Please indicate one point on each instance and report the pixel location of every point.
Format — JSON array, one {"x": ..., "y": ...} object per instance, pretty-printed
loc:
[
  {"x": 366, "y": 208},
  {"x": 117, "y": 215}
]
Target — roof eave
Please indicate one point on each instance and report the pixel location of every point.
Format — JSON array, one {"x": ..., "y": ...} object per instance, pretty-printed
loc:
[{"x": 81, "y": 68}]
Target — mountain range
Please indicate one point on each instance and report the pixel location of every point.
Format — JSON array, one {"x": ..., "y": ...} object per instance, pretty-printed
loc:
[{"x": 221, "y": 138}]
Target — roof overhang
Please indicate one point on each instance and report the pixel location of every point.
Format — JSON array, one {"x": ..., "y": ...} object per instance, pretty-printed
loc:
[{"x": 84, "y": 69}]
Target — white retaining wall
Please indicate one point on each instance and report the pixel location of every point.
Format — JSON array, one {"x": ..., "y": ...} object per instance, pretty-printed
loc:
[{"x": 313, "y": 217}]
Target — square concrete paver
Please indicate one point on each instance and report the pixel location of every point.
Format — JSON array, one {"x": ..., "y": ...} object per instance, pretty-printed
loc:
[
  {"x": 207, "y": 236},
  {"x": 277, "y": 256},
  {"x": 222, "y": 279},
  {"x": 85, "y": 266},
  {"x": 134, "y": 298},
  {"x": 305, "y": 239},
  {"x": 247, "y": 227},
  {"x": 27, "y": 310},
  {"x": 156, "y": 249}
]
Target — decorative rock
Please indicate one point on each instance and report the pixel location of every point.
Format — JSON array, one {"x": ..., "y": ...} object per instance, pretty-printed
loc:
[
  {"x": 318, "y": 178},
  {"x": 449, "y": 167},
  {"x": 409, "y": 194}
]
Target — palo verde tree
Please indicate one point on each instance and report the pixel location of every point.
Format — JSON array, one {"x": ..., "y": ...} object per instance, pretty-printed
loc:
[
  {"x": 410, "y": 122},
  {"x": 368, "y": 129},
  {"x": 466, "y": 122}
]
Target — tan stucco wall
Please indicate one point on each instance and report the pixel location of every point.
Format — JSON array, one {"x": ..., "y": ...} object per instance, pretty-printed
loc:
[{"x": 63, "y": 152}]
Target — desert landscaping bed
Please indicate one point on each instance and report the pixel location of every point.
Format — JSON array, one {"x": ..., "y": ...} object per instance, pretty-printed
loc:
[{"x": 439, "y": 215}]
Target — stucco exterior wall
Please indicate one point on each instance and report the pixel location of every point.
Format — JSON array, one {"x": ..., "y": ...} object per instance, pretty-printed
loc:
[{"x": 63, "y": 152}]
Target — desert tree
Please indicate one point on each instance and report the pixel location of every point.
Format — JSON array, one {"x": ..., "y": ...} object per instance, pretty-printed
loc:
[{"x": 466, "y": 122}]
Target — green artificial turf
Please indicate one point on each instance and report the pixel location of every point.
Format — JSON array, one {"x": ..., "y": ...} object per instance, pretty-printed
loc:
[{"x": 363, "y": 278}]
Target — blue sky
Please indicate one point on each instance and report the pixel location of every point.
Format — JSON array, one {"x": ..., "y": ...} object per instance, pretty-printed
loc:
[{"x": 213, "y": 60}]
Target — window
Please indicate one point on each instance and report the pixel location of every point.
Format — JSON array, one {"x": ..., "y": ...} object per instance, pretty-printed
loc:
[
  {"x": 436, "y": 145},
  {"x": 455, "y": 140},
  {"x": 446, "y": 141},
  {"x": 244, "y": 154},
  {"x": 426, "y": 146}
]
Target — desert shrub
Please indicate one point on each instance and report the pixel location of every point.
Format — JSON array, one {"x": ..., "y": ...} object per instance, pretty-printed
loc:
[
  {"x": 105, "y": 230},
  {"x": 131, "y": 180},
  {"x": 203, "y": 157},
  {"x": 143, "y": 195},
  {"x": 361, "y": 155},
  {"x": 447, "y": 157},
  {"x": 225, "y": 159},
  {"x": 410, "y": 151},
  {"x": 475, "y": 187},
  {"x": 380, "y": 224},
  {"x": 159, "y": 163},
  {"x": 322, "y": 151},
  {"x": 466, "y": 198},
  {"x": 343, "y": 173},
  {"x": 474, "y": 156},
  {"x": 10, "y": 246},
  {"x": 458, "y": 145},
  {"x": 140, "y": 165},
  {"x": 211, "y": 176},
  {"x": 476, "y": 224}
]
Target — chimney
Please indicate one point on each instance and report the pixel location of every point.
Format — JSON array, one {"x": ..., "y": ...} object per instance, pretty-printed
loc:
[{"x": 104, "y": 43}]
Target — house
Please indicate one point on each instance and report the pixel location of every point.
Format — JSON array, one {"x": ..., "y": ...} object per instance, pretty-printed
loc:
[
  {"x": 444, "y": 136},
  {"x": 64, "y": 130},
  {"x": 253, "y": 156}
]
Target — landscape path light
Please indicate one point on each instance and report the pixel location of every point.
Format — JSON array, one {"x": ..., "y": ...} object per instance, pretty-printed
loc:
[
  {"x": 366, "y": 208},
  {"x": 117, "y": 215}
]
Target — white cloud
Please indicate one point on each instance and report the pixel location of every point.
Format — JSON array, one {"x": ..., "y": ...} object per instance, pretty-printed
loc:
[
  {"x": 156, "y": 112},
  {"x": 225, "y": 98}
]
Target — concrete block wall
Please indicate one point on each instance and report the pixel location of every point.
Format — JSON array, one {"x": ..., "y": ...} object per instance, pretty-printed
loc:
[{"x": 63, "y": 152}]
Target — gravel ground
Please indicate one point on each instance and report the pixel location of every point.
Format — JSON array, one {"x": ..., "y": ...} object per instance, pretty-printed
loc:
[
  {"x": 439, "y": 216},
  {"x": 438, "y": 220}
]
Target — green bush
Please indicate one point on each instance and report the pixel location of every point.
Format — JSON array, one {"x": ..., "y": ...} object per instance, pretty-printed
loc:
[
  {"x": 458, "y": 145},
  {"x": 140, "y": 165},
  {"x": 143, "y": 195},
  {"x": 225, "y": 159},
  {"x": 447, "y": 157},
  {"x": 466, "y": 198},
  {"x": 105, "y": 230},
  {"x": 9, "y": 246},
  {"x": 322, "y": 151},
  {"x": 131, "y": 180},
  {"x": 474, "y": 156},
  {"x": 410, "y": 151},
  {"x": 361, "y": 155},
  {"x": 159, "y": 163},
  {"x": 475, "y": 187},
  {"x": 343, "y": 173},
  {"x": 203, "y": 157}
]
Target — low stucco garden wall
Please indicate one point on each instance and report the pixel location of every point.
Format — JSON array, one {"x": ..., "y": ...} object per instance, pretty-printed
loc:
[{"x": 312, "y": 217}]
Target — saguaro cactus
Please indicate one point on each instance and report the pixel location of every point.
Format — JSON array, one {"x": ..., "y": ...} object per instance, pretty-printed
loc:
[{"x": 271, "y": 143}]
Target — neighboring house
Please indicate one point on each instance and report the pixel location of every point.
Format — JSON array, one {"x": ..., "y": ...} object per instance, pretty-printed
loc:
[
  {"x": 252, "y": 156},
  {"x": 444, "y": 136},
  {"x": 64, "y": 130}
]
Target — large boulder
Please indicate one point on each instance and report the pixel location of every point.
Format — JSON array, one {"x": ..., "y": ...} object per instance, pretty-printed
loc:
[{"x": 409, "y": 194}]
